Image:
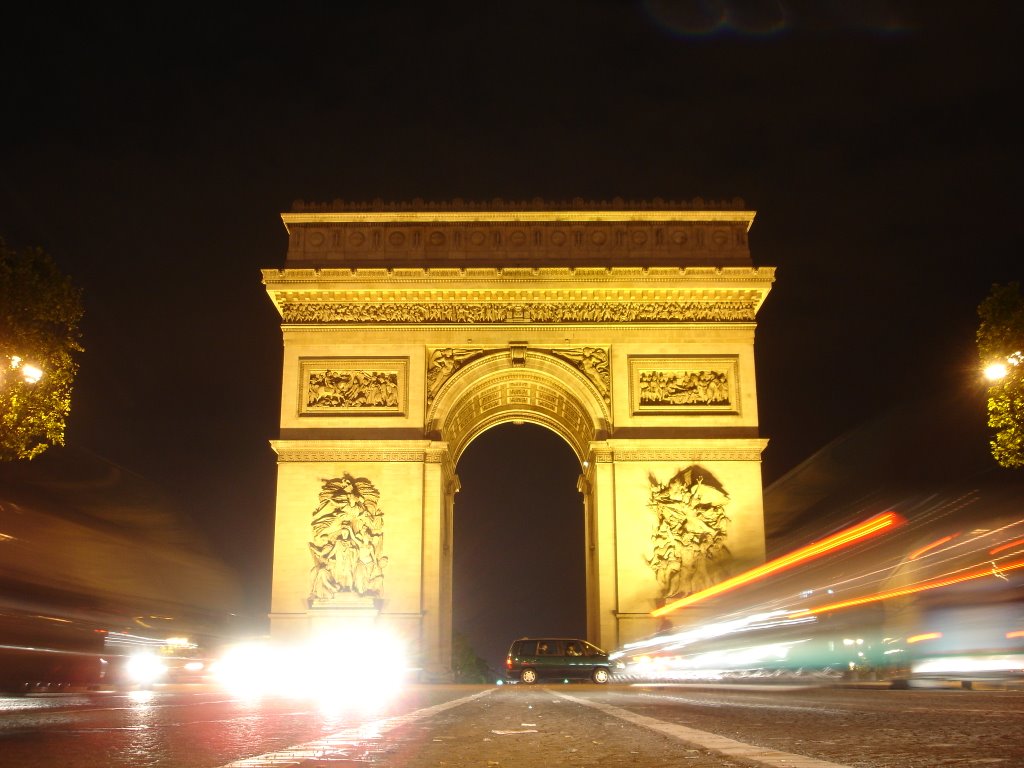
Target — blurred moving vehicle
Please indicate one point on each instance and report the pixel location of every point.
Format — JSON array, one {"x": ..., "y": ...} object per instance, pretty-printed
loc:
[
  {"x": 950, "y": 608},
  {"x": 98, "y": 570},
  {"x": 556, "y": 658},
  {"x": 935, "y": 597}
]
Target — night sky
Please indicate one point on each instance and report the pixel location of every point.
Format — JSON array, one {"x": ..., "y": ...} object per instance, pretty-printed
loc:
[{"x": 152, "y": 154}]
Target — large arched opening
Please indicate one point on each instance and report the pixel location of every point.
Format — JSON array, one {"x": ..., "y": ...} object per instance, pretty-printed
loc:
[{"x": 518, "y": 543}]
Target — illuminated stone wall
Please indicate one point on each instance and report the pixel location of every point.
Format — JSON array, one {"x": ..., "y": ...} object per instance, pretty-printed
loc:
[{"x": 408, "y": 330}]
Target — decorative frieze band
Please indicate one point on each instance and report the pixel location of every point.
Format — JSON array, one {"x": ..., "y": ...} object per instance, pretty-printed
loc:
[
  {"x": 350, "y": 455},
  {"x": 609, "y": 455},
  {"x": 512, "y": 312},
  {"x": 426, "y": 451}
]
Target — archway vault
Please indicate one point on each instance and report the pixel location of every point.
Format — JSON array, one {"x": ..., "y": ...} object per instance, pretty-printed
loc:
[{"x": 520, "y": 384}]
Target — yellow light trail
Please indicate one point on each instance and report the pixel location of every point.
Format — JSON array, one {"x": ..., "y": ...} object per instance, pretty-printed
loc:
[
  {"x": 988, "y": 570},
  {"x": 918, "y": 552},
  {"x": 845, "y": 537},
  {"x": 1010, "y": 545}
]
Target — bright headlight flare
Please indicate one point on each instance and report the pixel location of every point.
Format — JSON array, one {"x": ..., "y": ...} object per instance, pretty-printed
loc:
[
  {"x": 352, "y": 669},
  {"x": 977, "y": 573},
  {"x": 145, "y": 668},
  {"x": 871, "y": 527},
  {"x": 241, "y": 667}
]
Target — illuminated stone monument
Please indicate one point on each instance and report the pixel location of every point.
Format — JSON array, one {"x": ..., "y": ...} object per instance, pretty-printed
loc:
[{"x": 410, "y": 329}]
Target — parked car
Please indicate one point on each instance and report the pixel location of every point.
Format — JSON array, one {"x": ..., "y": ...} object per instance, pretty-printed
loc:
[{"x": 556, "y": 658}]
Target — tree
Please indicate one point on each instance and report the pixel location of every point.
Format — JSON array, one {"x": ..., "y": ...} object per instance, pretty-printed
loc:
[
  {"x": 467, "y": 667},
  {"x": 40, "y": 310},
  {"x": 1001, "y": 342}
]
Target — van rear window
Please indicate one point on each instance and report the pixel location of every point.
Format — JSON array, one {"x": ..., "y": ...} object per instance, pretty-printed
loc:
[{"x": 528, "y": 648}]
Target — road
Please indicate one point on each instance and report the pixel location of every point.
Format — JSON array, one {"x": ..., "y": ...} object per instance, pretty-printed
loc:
[{"x": 570, "y": 725}]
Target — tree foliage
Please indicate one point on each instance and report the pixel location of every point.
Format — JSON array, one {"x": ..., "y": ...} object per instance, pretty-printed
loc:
[
  {"x": 40, "y": 311},
  {"x": 1001, "y": 339},
  {"x": 467, "y": 667}
]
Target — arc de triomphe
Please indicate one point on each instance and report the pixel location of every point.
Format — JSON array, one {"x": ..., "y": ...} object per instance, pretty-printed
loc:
[{"x": 409, "y": 329}]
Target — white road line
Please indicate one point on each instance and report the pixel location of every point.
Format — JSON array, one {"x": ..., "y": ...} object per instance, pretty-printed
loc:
[
  {"x": 350, "y": 737},
  {"x": 730, "y": 747}
]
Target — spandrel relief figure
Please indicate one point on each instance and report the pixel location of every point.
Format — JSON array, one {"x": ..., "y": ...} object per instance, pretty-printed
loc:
[
  {"x": 593, "y": 362},
  {"x": 348, "y": 540},
  {"x": 442, "y": 363},
  {"x": 688, "y": 550}
]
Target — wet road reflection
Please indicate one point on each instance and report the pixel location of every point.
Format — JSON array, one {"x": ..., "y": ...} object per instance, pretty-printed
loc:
[{"x": 184, "y": 730}]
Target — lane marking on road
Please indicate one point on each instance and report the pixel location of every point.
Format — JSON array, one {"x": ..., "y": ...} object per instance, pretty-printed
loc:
[
  {"x": 350, "y": 738},
  {"x": 707, "y": 740}
]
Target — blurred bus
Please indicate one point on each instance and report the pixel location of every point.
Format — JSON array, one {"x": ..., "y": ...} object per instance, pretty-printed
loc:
[
  {"x": 97, "y": 568},
  {"x": 939, "y": 596}
]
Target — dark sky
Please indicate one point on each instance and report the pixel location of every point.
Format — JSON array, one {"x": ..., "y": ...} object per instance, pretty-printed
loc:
[{"x": 151, "y": 152}]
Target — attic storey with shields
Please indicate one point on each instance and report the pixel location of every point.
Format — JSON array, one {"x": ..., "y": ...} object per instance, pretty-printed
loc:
[{"x": 410, "y": 329}]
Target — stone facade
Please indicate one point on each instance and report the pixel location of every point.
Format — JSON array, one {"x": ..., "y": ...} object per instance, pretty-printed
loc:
[{"x": 627, "y": 329}]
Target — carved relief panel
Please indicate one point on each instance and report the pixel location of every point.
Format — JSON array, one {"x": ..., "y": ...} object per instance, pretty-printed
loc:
[
  {"x": 664, "y": 385},
  {"x": 353, "y": 386},
  {"x": 347, "y": 541},
  {"x": 688, "y": 550}
]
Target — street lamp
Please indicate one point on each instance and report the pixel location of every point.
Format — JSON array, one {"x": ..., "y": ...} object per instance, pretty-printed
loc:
[
  {"x": 1000, "y": 370},
  {"x": 29, "y": 373}
]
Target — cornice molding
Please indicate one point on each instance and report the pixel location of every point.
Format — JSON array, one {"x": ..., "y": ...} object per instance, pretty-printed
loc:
[
  {"x": 428, "y": 451},
  {"x": 516, "y": 216},
  {"x": 612, "y": 451},
  {"x": 500, "y": 204},
  {"x": 509, "y": 275}
]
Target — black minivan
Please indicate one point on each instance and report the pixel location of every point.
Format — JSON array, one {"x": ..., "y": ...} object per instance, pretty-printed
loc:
[{"x": 556, "y": 658}]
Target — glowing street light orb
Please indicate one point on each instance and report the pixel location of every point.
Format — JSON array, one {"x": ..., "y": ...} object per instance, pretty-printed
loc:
[
  {"x": 29, "y": 373},
  {"x": 1000, "y": 370},
  {"x": 996, "y": 371}
]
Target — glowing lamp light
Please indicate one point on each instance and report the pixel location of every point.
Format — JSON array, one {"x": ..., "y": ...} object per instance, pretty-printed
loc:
[
  {"x": 28, "y": 372},
  {"x": 871, "y": 527},
  {"x": 1001, "y": 369},
  {"x": 996, "y": 371}
]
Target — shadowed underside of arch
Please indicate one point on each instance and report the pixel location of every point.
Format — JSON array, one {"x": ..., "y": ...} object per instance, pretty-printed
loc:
[{"x": 540, "y": 390}]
